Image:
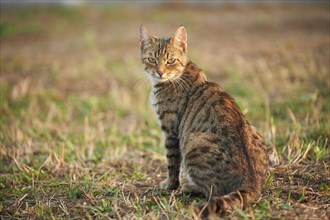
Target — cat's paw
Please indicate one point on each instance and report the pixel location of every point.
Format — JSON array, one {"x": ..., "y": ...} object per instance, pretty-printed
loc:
[
  {"x": 169, "y": 184},
  {"x": 189, "y": 189}
]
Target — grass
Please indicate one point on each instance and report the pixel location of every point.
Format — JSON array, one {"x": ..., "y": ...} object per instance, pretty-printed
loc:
[{"x": 79, "y": 140}]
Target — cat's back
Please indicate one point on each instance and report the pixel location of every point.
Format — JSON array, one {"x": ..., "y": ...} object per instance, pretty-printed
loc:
[
  {"x": 211, "y": 109},
  {"x": 215, "y": 111}
]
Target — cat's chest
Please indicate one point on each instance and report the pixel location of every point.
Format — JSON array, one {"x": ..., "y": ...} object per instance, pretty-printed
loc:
[
  {"x": 153, "y": 102},
  {"x": 167, "y": 108},
  {"x": 158, "y": 104}
]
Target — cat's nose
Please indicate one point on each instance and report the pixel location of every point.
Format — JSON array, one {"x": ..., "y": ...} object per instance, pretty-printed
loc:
[{"x": 160, "y": 73}]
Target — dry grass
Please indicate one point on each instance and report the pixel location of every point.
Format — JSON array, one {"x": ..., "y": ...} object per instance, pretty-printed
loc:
[{"x": 78, "y": 138}]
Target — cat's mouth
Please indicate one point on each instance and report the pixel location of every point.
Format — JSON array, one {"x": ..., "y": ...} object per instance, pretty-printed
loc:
[{"x": 163, "y": 78}]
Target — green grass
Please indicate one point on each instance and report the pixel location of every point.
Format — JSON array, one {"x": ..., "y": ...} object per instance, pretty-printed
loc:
[
  {"x": 79, "y": 140},
  {"x": 9, "y": 29}
]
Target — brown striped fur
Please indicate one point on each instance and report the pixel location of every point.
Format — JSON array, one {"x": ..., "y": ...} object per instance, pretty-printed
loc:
[{"x": 211, "y": 148}]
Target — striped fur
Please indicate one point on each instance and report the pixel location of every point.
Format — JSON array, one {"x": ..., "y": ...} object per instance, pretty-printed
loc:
[{"x": 211, "y": 148}]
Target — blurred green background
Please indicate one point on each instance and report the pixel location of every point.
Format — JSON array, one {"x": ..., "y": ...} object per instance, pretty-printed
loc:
[{"x": 74, "y": 101}]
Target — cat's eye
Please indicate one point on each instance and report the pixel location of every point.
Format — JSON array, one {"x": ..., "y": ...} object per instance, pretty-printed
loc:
[
  {"x": 151, "y": 60},
  {"x": 171, "y": 61}
]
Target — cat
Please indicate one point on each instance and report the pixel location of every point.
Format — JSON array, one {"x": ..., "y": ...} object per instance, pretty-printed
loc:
[{"x": 211, "y": 148}]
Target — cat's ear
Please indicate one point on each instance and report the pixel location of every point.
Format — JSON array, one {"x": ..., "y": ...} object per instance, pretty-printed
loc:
[
  {"x": 145, "y": 37},
  {"x": 180, "y": 38}
]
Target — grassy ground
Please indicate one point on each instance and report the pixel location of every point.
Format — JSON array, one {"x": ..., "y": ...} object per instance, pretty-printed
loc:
[{"x": 78, "y": 138}]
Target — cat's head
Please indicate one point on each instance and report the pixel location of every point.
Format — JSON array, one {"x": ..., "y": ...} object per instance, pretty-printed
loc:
[{"x": 164, "y": 58}]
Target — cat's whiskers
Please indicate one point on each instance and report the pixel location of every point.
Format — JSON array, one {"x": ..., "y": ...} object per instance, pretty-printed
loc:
[
  {"x": 186, "y": 80},
  {"x": 180, "y": 83},
  {"x": 172, "y": 80},
  {"x": 182, "y": 86},
  {"x": 176, "y": 80},
  {"x": 141, "y": 79},
  {"x": 174, "y": 84}
]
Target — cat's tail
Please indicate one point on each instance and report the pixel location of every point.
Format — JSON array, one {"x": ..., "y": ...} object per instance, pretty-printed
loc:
[{"x": 223, "y": 204}]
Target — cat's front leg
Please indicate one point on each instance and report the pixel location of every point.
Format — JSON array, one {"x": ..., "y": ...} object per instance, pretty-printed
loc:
[{"x": 173, "y": 163}]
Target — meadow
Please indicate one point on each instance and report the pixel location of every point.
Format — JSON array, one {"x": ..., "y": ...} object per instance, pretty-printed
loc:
[{"x": 79, "y": 139}]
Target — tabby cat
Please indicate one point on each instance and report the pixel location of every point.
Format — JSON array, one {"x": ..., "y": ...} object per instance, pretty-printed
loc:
[{"x": 211, "y": 148}]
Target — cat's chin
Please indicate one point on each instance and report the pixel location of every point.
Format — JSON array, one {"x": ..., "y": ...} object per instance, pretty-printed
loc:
[
  {"x": 156, "y": 80},
  {"x": 159, "y": 81}
]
